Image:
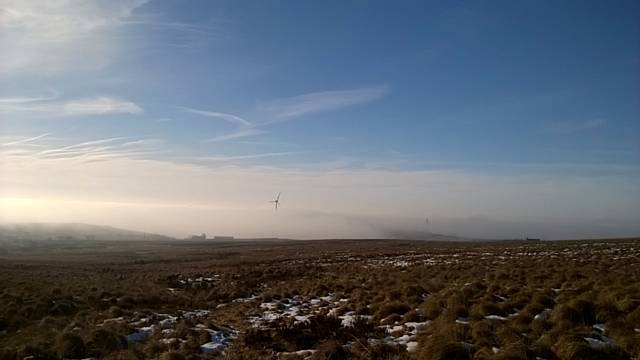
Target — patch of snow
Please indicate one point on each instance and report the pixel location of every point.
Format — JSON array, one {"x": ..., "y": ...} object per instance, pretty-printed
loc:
[
  {"x": 218, "y": 342},
  {"x": 245, "y": 300},
  {"x": 412, "y": 346},
  {"x": 543, "y": 315},
  {"x": 495, "y": 317},
  {"x": 169, "y": 322},
  {"x": 600, "y": 327},
  {"x": 307, "y": 353},
  {"x": 599, "y": 344},
  {"x": 396, "y": 328},
  {"x": 194, "y": 314},
  {"x": 417, "y": 326},
  {"x": 140, "y": 334},
  {"x": 118, "y": 319},
  {"x": 404, "y": 339},
  {"x": 329, "y": 297},
  {"x": 169, "y": 341},
  {"x": 501, "y": 298},
  {"x": 269, "y": 305},
  {"x": 349, "y": 319},
  {"x": 333, "y": 312},
  {"x": 302, "y": 318}
]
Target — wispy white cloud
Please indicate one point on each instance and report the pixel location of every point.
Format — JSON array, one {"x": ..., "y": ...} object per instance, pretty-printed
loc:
[
  {"x": 142, "y": 142},
  {"x": 241, "y": 133},
  {"x": 89, "y": 143},
  {"x": 288, "y": 108},
  {"x": 94, "y": 150},
  {"x": 27, "y": 140},
  {"x": 218, "y": 115},
  {"x": 30, "y": 99},
  {"x": 296, "y": 106},
  {"x": 47, "y": 37},
  {"x": 101, "y": 106},
  {"x": 222, "y": 158}
]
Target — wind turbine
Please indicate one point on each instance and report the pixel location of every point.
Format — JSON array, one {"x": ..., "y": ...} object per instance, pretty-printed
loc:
[{"x": 276, "y": 201}]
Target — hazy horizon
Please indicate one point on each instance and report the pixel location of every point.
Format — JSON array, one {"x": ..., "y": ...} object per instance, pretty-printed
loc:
[{"x": 494, "y": 120}]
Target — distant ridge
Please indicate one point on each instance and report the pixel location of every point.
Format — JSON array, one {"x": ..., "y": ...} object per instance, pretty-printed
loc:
[{"x": 72, "y": 231}]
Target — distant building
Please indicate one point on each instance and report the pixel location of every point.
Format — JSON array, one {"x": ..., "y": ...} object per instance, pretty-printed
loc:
[
  {"x": 202, "y": 236},
  {"x": 533, "y": 239},
  {"x": 223, "y": 238}
]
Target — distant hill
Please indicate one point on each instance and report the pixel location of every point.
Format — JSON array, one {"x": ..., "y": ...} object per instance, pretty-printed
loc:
[{"x": 72, "y": 231}]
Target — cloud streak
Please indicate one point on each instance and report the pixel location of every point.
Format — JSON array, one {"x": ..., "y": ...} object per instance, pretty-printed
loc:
[
  {"x": 292, "y": 107},
  {"x": 30, "y": 99},
  {"x": 224, "y": 158},
  {"x": 46, "y": 38},
  {"x": 94, "y": 150},
  {"x": 101, "y": 106},
  {"x": 301, "y": 105},
  {"x": 27, "y": 140},
  {"x": 218, "y": 115},
  {"x": 240, "y": 133}
]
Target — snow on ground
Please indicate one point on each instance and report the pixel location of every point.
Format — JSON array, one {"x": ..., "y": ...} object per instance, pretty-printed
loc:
[
  {"x": 300, "y": 309},
  {"x": 219, "y": 342},
  {"x": 305, "y": 354},
  {"x": 297, "y": 308},
  {"x": 600, "y": 342},
  {"x": 402, "y": 334},
  {"x": 444, "y": 256},
  {"x": 600, "y": 327},
  {"x": 146, "y": 324},
  {"x": 349, "y": 319},
  {"x": 412, "y": 346},
  {"x": 140, "y": 334},
  {"x": 543, "y": 315}
]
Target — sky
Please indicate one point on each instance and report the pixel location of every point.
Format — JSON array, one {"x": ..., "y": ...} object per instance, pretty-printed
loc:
[{"x": 494, "y": 119}]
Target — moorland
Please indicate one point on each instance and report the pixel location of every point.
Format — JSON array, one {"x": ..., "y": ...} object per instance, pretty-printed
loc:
[{"x": 325, "y": 299}]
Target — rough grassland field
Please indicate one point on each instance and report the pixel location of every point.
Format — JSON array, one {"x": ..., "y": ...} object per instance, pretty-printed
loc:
[{"x": 365, "y": 299}]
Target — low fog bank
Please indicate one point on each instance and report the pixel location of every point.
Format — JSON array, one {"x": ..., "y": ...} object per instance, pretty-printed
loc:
[
  {"x": 71, "y": 231},
  {"x": 306, "y": 224},
  {"x": 184, "y": 199}
]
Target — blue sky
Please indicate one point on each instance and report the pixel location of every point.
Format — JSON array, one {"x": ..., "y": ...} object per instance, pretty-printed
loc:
[{"x": 538, "y": 96}]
